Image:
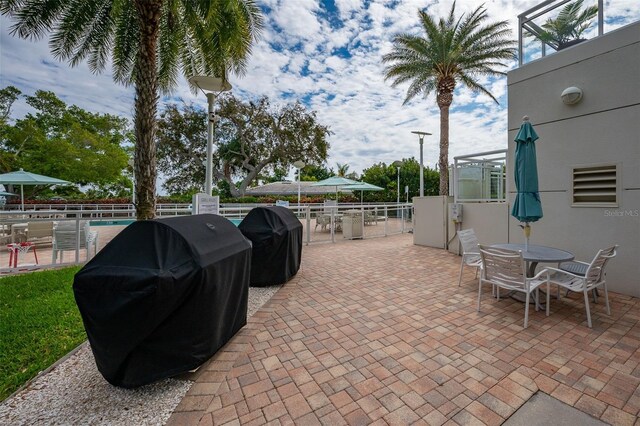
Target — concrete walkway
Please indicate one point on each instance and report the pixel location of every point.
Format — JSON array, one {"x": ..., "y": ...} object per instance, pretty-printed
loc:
[{"x": 377, "y": 331}]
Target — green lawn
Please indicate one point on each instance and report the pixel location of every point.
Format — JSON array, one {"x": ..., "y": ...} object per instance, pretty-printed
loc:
[{"x": 39, "y": 324}]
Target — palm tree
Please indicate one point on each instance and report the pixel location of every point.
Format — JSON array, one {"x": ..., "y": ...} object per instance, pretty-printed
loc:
[
  {"x": 452, "y": 50},
  {"x": 567, "y": 28},
  {"x": 343, "y": 169},
  {"x": 148, "y": 42}
]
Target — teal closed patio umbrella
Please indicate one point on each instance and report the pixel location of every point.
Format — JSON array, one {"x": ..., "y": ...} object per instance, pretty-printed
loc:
[{"x": 527, "y": 207}]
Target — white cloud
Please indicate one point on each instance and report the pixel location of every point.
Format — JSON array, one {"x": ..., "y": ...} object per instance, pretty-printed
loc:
[
  {"x": 303, "y": 53},
  {"x": 297, "y": 18}
]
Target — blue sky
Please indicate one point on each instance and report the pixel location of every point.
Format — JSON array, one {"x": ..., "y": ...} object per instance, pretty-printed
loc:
[{"x": 327, "y": 54}]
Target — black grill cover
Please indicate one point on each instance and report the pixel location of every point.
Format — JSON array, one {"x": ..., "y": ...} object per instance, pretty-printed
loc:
[
  {"x": 276, "y": 235},
  {"x": 163, "y": 296}
]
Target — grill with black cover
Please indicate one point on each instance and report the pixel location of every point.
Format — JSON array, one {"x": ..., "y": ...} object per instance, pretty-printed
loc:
[
  {"x": 163, "y": 296},
  {"x": 276, "y": 234}
]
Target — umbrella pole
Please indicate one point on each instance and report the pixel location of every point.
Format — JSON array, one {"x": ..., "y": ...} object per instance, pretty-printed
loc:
[
  {"x": 527, "y": 234},
  {"x": 22, "y": 196}
]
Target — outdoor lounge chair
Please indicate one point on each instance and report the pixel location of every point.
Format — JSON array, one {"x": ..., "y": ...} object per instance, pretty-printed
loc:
[
  {"x": 507, "y": 269},
  {"x": 65, "y": 239},
  {"x": 591, "y": 279},
  {"x": 470, "y": 251},
  {"x": 39, "y": 232}
]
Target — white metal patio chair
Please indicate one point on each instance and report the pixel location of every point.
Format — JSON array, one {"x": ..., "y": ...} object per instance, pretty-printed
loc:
[
  {"x": 470, "y": 251},
  {"x": 65, "y": 239},
  {"x": 507, "y": 269},
  {"x": 593, "y": 277},
  {"x": 323, "y": 220},
  {"x": 39, "y": 232},
  {"x": 5, "y": 234}
]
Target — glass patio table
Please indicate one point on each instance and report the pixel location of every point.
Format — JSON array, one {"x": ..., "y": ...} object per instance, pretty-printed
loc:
[{"x": 533, "y": 256}]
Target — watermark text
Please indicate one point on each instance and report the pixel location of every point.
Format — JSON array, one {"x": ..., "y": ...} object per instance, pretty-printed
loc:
[{"x": 622, "y": 213}]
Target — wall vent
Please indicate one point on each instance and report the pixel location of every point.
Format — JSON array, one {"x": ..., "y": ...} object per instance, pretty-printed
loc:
[{"x": 595, "y": 186}]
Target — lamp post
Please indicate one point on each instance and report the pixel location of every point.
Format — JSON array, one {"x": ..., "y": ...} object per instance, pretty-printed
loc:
[
  {"x": 398, "y": 163},
  {"x": 299, "y": 165},
  {"x": 421, "y": 136},
  {"x": 214, "y": 86},
  {"x": 133, "y": 181}
]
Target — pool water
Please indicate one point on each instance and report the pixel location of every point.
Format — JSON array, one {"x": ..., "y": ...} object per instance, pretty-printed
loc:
[
  {"x": 125, "y": 222},
  {"x": 112, "y": 222}
]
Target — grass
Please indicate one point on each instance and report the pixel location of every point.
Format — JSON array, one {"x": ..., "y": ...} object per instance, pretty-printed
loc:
[{"x": 39, "y": 323}]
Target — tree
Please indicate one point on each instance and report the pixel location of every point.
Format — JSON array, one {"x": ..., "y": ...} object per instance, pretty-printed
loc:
[
  {"x": 451, "y": 51},
  {"x": 66, "y": 142},
  {"x": 8, "y": 96},
  {"x": 147, "y": 42},
  {"x": 278, "y": 174},
  {"x": 315, "y": 173},
  {"x": 252, "y": 138},
  {"x": 181, "y": 143},
  {"x": 563, "y": 30},
  {"x": 343, "y": 171},
  {"x": 386, "y": 176}
]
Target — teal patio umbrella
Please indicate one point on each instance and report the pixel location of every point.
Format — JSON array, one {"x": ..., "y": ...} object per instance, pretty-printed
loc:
[
  {"x": 25, "y": 178},
  {"x": 335, "y": 181},
  {"x": 362, "y": 186},
  {"x": 527, "y": 207}
]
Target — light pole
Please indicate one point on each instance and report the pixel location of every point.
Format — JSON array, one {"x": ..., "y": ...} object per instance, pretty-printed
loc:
[
  {"x": 215, "y": 86},
  {"x": 421, "y": 136},
  {"x": 398, "y": 163},
  {"x": 299, "y": 165},
  {"x": 133, "y": 181}
]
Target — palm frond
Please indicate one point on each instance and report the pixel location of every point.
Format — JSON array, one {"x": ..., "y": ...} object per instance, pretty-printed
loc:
[
  {"x": 449, "y": 50},
  {"x": 34, "y": 19},
  {"x": 169, "y": 43},
  {"x": 569, "y": 24},
  {"x": 126, "y": 41},
  {"x": 475, "y": 86}
]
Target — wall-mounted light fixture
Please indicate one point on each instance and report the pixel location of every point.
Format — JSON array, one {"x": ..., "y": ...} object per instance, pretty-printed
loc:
[{"x": 571, "y": 95}]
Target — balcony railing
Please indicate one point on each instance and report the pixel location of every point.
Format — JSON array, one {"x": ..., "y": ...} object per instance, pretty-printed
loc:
[
  {"x": 92, "y": 229},
  {"x": 480, "y": 177},
  {"x": 531, "y": 45}
]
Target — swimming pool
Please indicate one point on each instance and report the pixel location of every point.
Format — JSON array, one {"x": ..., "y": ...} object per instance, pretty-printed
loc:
[
  {"x": 112, "y": 222},
  {"x": 125, "y": 222}
]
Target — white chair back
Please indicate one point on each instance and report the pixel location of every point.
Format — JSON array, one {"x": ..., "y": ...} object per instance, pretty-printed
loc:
[
  {"x": 468, "y": 240},
  {"x": 39, "y": 230},
  {"x": 505, "y": 268},
  {"x": 64, "y": 236},
  {"x": 328, "y": 204},
  {"x": 595, "y": 271}
]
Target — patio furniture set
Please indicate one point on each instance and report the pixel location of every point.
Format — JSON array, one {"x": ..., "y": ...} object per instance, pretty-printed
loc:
[
  {"x": 323, "y": 220},
  {"x": 22, "y": 238},
  {"x": 513, "y": 267}
]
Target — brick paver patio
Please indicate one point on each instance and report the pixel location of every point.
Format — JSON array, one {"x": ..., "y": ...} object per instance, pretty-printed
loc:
[{"x": 377, "y": 331}]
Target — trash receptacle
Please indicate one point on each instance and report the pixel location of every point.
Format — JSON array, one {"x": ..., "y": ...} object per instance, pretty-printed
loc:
[
  {"x": 163, "y": 296},
  {"x": 276, "y": 234},
  {"x": 352, "y": 224}
]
